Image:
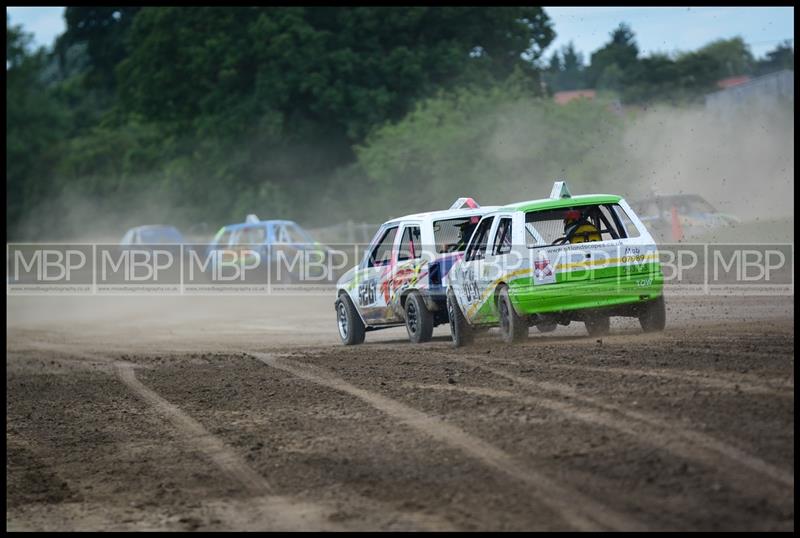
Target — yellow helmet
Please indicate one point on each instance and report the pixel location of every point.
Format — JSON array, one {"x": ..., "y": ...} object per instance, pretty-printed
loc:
[{"x": 579, "y": 228}]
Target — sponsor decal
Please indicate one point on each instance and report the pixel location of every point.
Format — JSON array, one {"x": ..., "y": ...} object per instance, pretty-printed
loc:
[{"x": 543, "y": 272}]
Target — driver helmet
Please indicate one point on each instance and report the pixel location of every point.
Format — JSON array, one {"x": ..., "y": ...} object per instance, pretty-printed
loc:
[{"x": 578, "y": 228}]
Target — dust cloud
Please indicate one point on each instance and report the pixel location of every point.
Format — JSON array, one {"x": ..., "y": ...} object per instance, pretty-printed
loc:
[
  {"x": 742, "y": 162},
  {"x": 74, "y": 216}
]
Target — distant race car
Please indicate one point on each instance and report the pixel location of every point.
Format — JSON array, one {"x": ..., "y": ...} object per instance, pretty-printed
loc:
[
  {"x": 675, "y": 217},
  {"x": 404, "y": 273},
  {"x": 154, "y": 234},
  {"x": 266, "y": 239},
  {"x": 556, "y": 260}
]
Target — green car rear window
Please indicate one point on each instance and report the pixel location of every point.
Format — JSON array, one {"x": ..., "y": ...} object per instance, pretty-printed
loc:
[{"x": 597, "y": 222}]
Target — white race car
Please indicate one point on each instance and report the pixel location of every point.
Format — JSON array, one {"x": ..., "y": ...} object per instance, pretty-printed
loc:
[{"x": 403, "y": 277}]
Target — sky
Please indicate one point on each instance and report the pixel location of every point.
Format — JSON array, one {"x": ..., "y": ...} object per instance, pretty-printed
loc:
[
  {"x": 45, "y": 23},
  {"x": 657, "y": 29},
  {"x": 671, "y": 29}
]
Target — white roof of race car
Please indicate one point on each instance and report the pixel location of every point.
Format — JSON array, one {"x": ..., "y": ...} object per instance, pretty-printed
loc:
[{"x": 456, "y": 210}]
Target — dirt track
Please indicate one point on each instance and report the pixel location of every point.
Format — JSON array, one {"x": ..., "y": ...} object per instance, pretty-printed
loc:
[{"x": 246, "y": 414}]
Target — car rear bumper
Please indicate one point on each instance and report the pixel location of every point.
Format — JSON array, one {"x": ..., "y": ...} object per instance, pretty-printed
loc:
[{"x": 587, "y": 294}]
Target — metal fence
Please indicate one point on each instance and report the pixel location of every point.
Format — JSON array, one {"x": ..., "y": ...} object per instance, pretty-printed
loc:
[{"x": 762, "y": 90}]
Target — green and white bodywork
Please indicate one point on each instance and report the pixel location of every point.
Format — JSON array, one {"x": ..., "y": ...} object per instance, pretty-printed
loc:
[{"x": 550, "y": 280}]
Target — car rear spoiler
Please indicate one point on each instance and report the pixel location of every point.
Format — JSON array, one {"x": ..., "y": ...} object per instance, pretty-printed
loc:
[
  {"x": 560, "y": 190},
  {"x": 461, "y": 202}
]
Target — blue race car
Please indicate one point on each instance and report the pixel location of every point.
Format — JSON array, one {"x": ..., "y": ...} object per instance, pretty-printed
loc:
[
  {"x": 274, "y": 243},
  {"x": 153, "y": 234}
]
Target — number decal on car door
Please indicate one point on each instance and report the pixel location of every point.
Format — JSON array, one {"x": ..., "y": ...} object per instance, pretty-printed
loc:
[
  {"x": 471, "y": 291},
  {"x": 366, "y": 293}
]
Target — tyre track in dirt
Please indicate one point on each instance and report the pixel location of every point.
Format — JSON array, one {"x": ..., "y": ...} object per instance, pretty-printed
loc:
[
  {"x": 167, "y": 341},
  {"x": 715, "y": 380},
  {"x": 711, "y": 352},
  {"x": 689, "y": 441},
  {"x": 222, "y": 456},
  {"x": 655, "y": 438},
  {"x": 575, "y": 509},
  {"x": 263, "y": 509},
  {"x": 29, "y": 474},
  {"x": 278, "y": 512},
  {"x": 87, "y": 429}
]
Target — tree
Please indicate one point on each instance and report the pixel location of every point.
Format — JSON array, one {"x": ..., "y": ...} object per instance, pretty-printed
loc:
[
  {"x": 342, "y": 69},
  {"x": 248, "y": 107},
  {"x": 620, "y": 50},
  {"x": 699, "y": 71},
  {"x": 732, "y": 56},
  {"x": 781, "y": 57},
  {"x": 565, "y": 71},
  {"x": 34, "y": 127},
  {"x": 572, "y": 78},
  {"x": 611, "y": 78},
  {"x": 552, "y": 74},
  {"x": 496, "y": 145},
  {"x": 104, "y": 31},
  {"x": 655, "y": 77},
  {"x": 17, "y": 44},
  {"x": 555, "y": 65}
]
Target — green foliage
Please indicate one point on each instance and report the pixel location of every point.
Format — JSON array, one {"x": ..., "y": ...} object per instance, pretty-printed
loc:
[
  {"x": 686, "y": 78},
  {"x": 17, "y": 44},
  {"x": 620, "y": 50},
  {"x": 104, "y": 31},
  {"x": 218, "y": 112},
  {"x": 190, "y": 69},
  {"x": 337, "y": 70},
  {"x": 679, "y": 79},
  {"x": 781, "y": 57},
  {"x": 35, "y": 125},
  {"x": 658, "y": 78},
  {"x": 566, "y": 72},
  {"x": 202, "y": 115},
  {"x": 731, "y": 57},
  {"x": 496, "y": 145},
  {"x": 611, "y": 78}
]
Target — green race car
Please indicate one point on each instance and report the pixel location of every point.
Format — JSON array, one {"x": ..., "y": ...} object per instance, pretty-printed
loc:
[{"x": 553, "y": 261}]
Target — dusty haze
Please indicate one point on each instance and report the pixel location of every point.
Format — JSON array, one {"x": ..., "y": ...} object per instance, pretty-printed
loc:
[{"x": 742, "y": 163}]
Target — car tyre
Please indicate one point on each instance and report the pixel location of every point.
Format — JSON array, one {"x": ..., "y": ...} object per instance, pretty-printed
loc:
[
  {"x": 351, "y": 328},
  {"x": 513, "y": 327},
  {"x": 460, "y": 329},
  {"x": 597, "y": 325},
  {"x": 419, "y": 320},
  {"x": 654, "y": 316}
]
